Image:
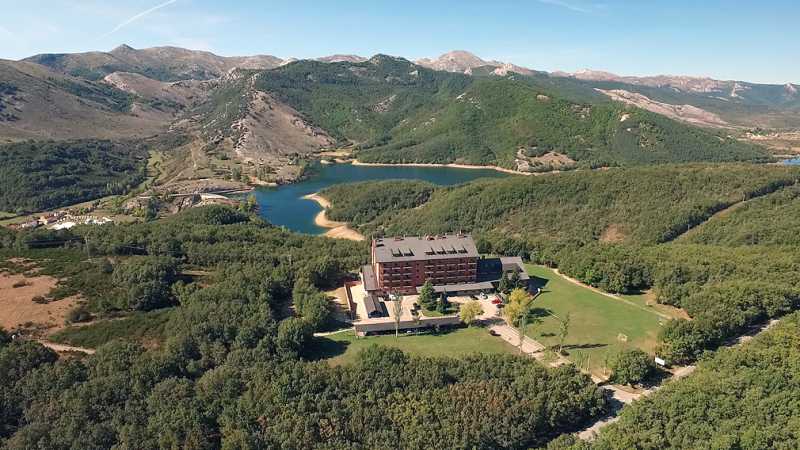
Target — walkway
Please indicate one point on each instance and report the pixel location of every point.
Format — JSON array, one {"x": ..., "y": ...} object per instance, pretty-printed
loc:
[{"x": 61, "y": 348}]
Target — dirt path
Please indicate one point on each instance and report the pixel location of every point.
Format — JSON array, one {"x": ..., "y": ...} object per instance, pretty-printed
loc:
[
  {"x": 61, "y": 348},
  {"x": 356, "y": 162},
  {"x": 338, "y": 230}
]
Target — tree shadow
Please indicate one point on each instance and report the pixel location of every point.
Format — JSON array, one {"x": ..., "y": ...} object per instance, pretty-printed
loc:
[
  {"x": 584, "y": 346},
  {"x": 324, "y": 348},
  {"x": 538, "y": 282}
]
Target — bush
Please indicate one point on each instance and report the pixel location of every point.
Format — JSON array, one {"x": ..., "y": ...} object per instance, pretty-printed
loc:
[
  {"x": 631, "y": 366},
  {"x": 78, "y": 314}
]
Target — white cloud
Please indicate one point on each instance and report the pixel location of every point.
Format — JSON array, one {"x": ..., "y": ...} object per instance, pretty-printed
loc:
[
  {"x": 136, "y": 17},
  {"x": 569, "y": 5}
]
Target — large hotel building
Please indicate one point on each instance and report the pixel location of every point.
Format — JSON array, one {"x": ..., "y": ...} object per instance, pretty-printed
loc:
[{"x": 402, "y": 264}]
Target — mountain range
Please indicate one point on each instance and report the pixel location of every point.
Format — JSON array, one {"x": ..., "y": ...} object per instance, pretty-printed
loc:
[{"x": 261, "y": 115}]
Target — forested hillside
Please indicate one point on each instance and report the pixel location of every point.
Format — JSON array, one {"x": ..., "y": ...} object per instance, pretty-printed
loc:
[
  {"x": 35, "y": 176},
  {"x": 493, "y": 118},
  {"x": 616, "y": 230},
  {"x": 772, "y": 220},
  {"x": 643, "y": 205},
  {"x": 233, "y": 369},
  {"x": 399, "y": 112}
]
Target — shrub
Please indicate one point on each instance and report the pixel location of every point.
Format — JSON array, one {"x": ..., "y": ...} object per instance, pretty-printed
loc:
[
  {"x": 78, "y": 314},
  {"x": 631, "y": 366}
]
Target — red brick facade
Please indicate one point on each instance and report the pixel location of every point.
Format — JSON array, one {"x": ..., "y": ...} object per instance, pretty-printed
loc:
[{"x": 404, "y": 276}]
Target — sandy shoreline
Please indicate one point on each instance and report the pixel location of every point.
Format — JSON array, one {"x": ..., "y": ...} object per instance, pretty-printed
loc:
[
  {"x": 338, "y": 230},
  {"x": 356, "y": 162}
]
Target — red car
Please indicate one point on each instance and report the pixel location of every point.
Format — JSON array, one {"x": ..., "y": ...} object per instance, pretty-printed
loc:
[{"x": 497, "y": 301}]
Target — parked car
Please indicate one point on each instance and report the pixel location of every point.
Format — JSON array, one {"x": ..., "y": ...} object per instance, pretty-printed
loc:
[
  {"x": 493, "y": 333},
  {"x": 497, "y": 301}
]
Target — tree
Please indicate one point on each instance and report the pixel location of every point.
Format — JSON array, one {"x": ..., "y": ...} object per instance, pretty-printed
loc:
[
  {"x": 293, "y": 333},
  {"x": 397, "y": 312},
  {"x": 514, "y": 280},
  {"x": 427, "y": 295},
  {"x": 249, "y": 205},
  {"x": 517, "y": 310},
  {"x": 443, "y": 304},
  {"x": 563, "y": 331},
  {"x": 146, "y": 281},
  {"x": 151, "y": 209},
  {"x": 470, "y": 311},
  {"x": 631, "y": 366},
  {"x": 504, "y": 286}
]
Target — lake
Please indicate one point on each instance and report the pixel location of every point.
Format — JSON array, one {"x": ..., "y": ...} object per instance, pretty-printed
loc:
[
  {"x": 795, "y": 161},
  {"x": 284, "y": 205}
]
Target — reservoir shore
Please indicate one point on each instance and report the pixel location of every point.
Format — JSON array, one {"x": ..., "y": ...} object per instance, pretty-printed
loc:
[{"x": 338, "y": 230}]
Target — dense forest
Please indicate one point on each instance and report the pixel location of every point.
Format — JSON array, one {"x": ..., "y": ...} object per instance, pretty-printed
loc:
[
  {"x": 400, "y": 112},
  {"x": 362, "y": 202},
  {"x": 745, "y": 398},
  {"x": 625, "y": 230},
  {"x": 39, "y": 175},
  {"x": 234, "y": 370},
  {"x": 642, "y": 205}
]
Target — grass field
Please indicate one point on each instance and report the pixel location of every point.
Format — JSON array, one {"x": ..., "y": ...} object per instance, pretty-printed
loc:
[
  {"x": 342, "y": 348},
  {"x": 145, "y": 328},
  {"x": 599, "y": 324}
]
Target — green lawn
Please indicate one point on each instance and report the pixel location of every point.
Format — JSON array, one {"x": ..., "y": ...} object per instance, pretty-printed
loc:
[
  {"x": 452, "y": 309},
  {"x": 596, "y": 321},
  {"x": 342, "y": 348}
]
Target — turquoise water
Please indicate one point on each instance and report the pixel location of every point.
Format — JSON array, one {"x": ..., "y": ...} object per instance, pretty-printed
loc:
[{"x": 284, "y": 205}]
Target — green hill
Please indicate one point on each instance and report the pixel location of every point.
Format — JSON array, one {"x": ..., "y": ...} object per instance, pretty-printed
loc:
[
  {"x": 617, "y": 230},
  {"x": 36, "y": 176},
  {"x": 400, "y": 112}
]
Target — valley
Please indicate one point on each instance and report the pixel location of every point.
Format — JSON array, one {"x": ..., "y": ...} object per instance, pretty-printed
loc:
[{"x": 205, "y": 251}]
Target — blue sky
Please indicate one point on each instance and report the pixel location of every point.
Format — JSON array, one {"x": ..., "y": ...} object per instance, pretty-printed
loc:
[{"x": 745, "y": 40}]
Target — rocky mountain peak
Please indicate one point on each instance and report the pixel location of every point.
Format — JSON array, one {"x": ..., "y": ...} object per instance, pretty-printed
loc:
[
  {"x": 124, "y": 48},
  {"x": 342, "y": 58},
  {"x": 455, "y": 61}
]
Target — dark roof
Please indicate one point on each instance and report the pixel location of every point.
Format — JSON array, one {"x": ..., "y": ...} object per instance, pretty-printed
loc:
[
  {"x": 368, "y": 274},
  {"x": 418, "y": 248},
  {"x": 373, "y": 305},
  {"x": 406, "y": 324},
  {"x": 511, "y": 263},
  {"x": 461, "y": 287},
  {"x": 491, "y": 269}
]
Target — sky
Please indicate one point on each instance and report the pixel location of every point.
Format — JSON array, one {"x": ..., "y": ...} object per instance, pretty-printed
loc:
[{"x": 746, "y": 40}]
